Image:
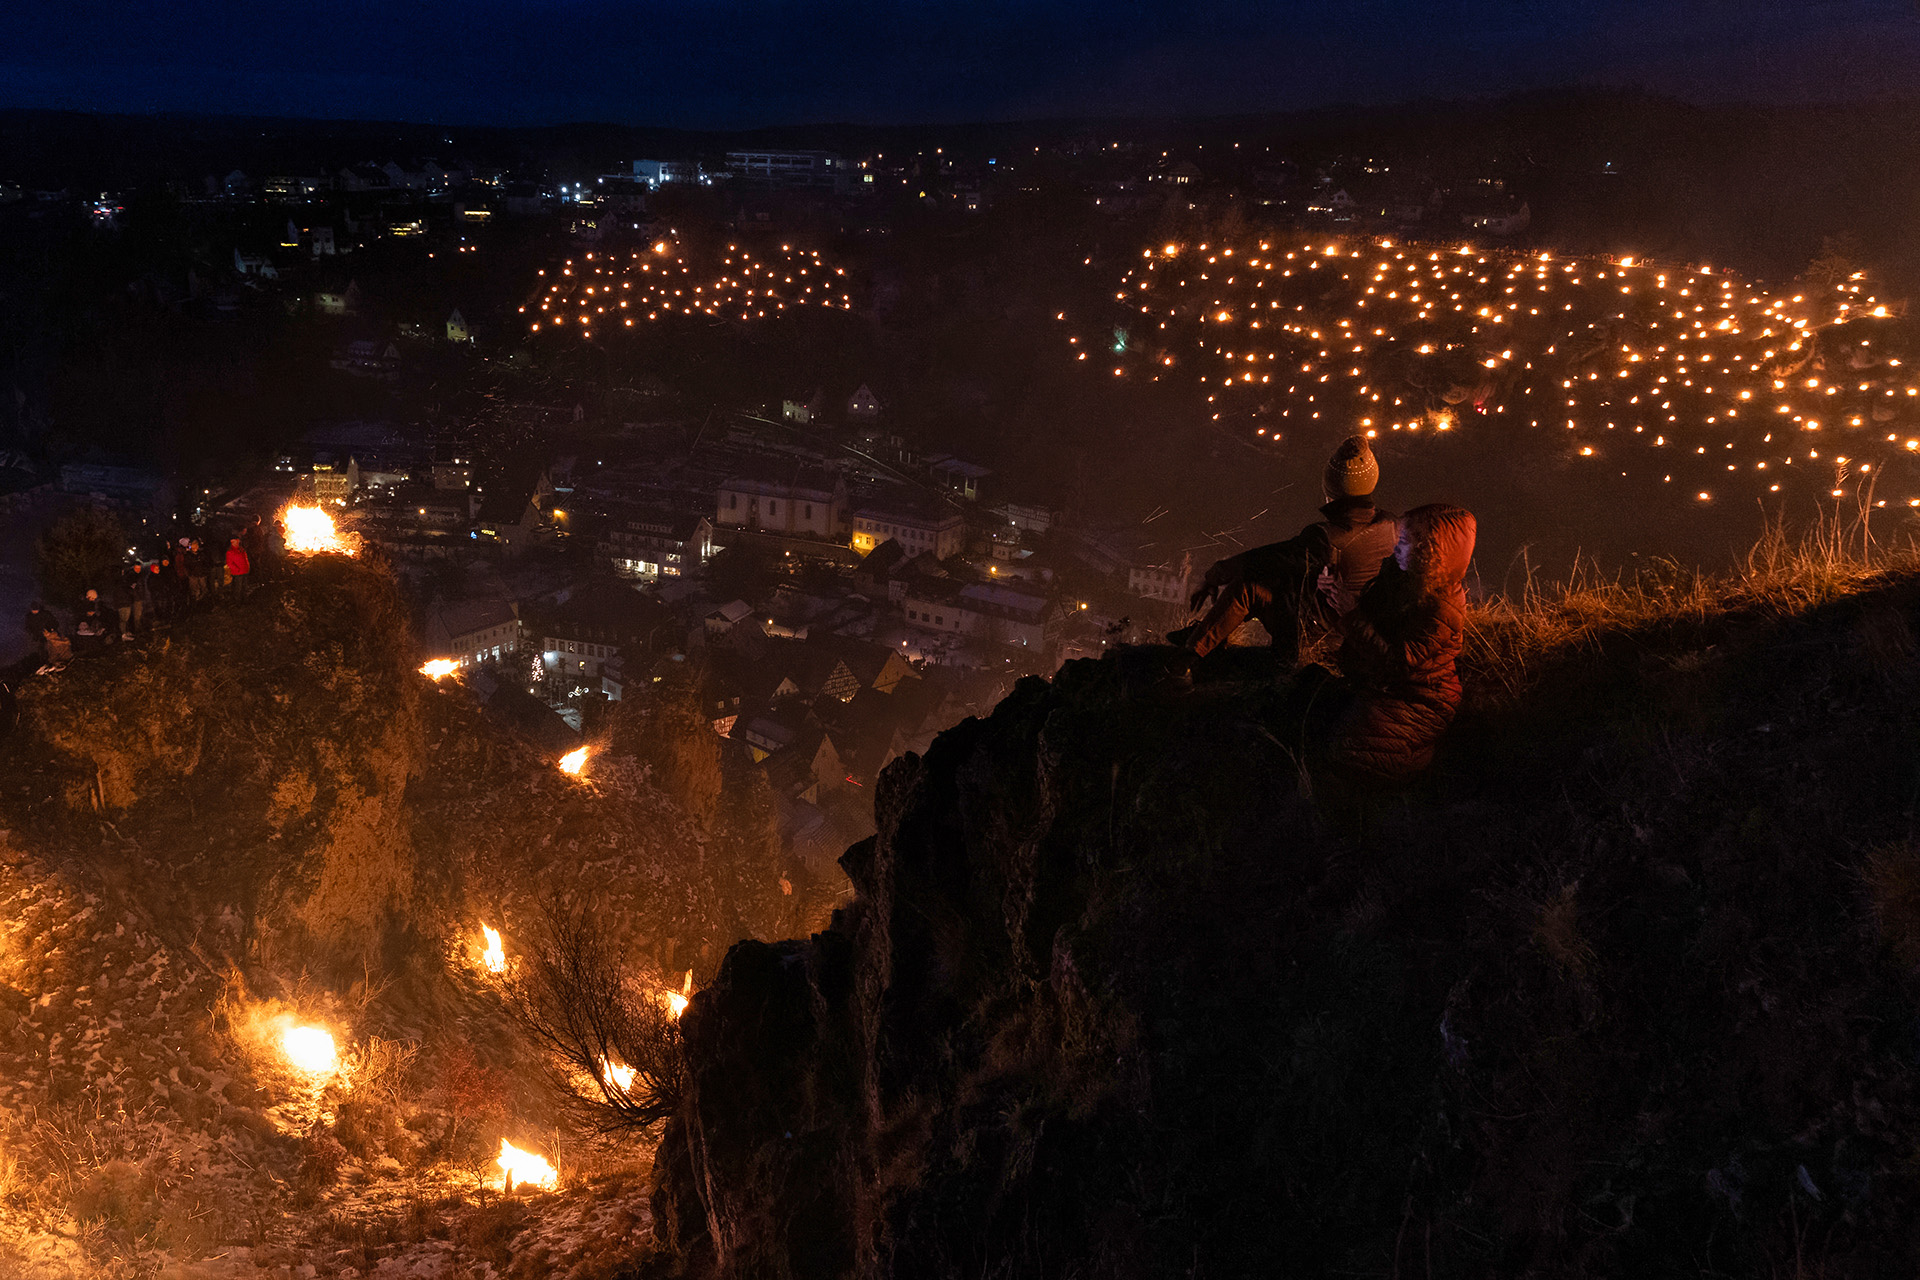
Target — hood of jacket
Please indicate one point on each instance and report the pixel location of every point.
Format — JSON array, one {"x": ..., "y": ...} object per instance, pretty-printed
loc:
[{"x": 1443, "y": 537}]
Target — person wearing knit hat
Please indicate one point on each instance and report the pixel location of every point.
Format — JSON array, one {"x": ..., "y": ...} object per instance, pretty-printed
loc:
[
  {"x": 1352, "y": 471},
  {"x": 1300, "y": 588}
]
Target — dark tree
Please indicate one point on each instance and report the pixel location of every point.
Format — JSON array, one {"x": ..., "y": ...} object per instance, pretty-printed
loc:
[
  {"x": 81, "y": 550},
  {"x": 613, "y": 1052}
]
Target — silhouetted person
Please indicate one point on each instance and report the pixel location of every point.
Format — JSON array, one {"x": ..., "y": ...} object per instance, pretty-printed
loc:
[
  {"x": 199, "y": 567},
  {"x": 90, "y": 629},
  {"x": 118, "y": 598},
  {"x": 43, "y": 633},
  {"x": 1302, "y": 586},
  {"x": 140, "y": 587},
  {"x": 238, "y": 566},
  {"x": 254, "y": 539},
  {"x": 1400, "y": 645}
]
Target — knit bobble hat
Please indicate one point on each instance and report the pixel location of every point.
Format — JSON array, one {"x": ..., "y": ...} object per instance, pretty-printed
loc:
[{"x": 1352, "y": 471}]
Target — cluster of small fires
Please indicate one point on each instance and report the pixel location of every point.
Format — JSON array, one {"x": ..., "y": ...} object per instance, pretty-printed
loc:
[{"x": 310, "y": 1049}]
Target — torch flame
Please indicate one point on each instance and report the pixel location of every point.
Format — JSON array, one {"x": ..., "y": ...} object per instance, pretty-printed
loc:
[
  {"x": 575, "y": 760},
  {"x": 524, "y": 1167},
  {"x": 310, "y": 1049},
  {"x": 439, "y": 667},
  {"x": 310, "y": 531},
  {"x": 676, "y": 1001},
  {"x": 495, "y": 956}
]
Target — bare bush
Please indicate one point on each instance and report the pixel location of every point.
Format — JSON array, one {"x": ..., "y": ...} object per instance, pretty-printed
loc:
[{"x": 613, "y": 1048}]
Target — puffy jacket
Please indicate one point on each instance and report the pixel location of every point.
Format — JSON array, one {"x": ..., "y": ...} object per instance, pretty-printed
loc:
[{"x": 1401, "y": 643}]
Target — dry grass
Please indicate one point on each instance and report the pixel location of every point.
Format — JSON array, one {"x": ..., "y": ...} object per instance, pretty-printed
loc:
[
  {"x": 1892, "y": 876},
  {"x": 1510, "y": 639}
]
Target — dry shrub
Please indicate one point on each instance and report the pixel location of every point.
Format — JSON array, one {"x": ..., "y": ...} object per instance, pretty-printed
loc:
[
  {"x": 1892, "y": 875},
  {"x": 487, "y": 1232},
  {"x": 383, "y": 1070},
  {"x": 321, "y": 1156},
  {"x": 580, "y": 1005},
  {"x": 191, "y": 1224},
  {"x": 471, "y": 1093},
  {"x": 119, "y": 1195},
  {"x": 1556, "y": 931},
  {"x": 366, "y": 1127},
  {"x": 1885, "y": 642}
]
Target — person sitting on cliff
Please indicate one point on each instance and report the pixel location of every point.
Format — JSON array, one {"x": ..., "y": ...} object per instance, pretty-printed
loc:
[
  {"x": 43, "y": 633},
  {"x": 91, "y": 627},
  {"x": 1300, "y": 588},
  {"x": 1400, "y": 643}
]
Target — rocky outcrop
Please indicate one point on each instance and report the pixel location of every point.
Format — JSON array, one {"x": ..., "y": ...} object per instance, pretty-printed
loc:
[{"x": 1125, "y": 991}]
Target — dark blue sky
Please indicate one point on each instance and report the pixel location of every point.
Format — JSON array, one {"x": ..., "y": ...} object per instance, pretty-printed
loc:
[{"x": 731, "y": 63}]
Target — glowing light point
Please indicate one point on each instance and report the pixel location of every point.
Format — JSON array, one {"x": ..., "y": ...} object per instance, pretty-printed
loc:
[
  {"x": 311, "y": 531},
  {"x": 525, "y": 1168},
  {"x": 310, "y": 1049}
]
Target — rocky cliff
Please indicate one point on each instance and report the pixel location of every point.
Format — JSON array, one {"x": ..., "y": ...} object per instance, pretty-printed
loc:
[{"x": 1626, "y": 985}]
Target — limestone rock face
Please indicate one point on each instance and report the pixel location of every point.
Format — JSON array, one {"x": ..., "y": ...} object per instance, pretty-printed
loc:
[
  {"x": 1125, "y": 991},
  {"x": 932, "y": 1083}
]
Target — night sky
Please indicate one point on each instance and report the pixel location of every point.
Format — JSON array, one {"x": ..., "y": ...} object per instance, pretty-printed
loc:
[{"x": 734, "y": 63}]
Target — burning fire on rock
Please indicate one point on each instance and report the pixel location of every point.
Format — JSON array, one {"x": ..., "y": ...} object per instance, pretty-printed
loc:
[
  {"x": 310, "y": 1050},
  {"x": 439, "y": 668},
  {"x": 495, "y": 956},
  {"x": 525, "y": 1168},
  {"x": 311, "y": 531},
  {"x": 676, "y": 1001},
  {"x": 575, "y": 761}
]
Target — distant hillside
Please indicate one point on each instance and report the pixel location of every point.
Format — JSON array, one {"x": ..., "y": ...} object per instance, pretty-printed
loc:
[{"x": 1624, "y": 987}]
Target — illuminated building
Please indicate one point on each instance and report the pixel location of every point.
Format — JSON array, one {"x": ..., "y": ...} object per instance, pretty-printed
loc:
[
  {"x": 919, "y": 526},
  {"x": 811, "y": 503},
  {"x": 655, "y": 542},
  {"x": 792, "y": 170}
]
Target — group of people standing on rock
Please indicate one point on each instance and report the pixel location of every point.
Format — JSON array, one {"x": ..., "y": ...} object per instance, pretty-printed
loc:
[
  {"x": 134, "y": 599},
  {"x": 1390, "y": 589}
]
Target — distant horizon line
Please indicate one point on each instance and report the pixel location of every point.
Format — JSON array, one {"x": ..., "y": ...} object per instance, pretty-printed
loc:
[{"x": 1223, "y": 118}]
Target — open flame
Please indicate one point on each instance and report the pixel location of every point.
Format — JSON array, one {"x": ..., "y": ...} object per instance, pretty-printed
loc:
[
  {"x": 310, "y": 1049},
  {"x": 523, "y": 1168},
  {"x": 438, "y": 668},
  {"x": 676, "y": 1001},
  {"x": 617, "y": 1075},
  {"x": 575, "y": 761},
  {"x": 495, "y": 956},
  {"x": 310, "y": 531}
]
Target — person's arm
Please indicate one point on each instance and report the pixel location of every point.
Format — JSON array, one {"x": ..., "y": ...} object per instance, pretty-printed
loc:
[{"x": 1219, "y": 574}]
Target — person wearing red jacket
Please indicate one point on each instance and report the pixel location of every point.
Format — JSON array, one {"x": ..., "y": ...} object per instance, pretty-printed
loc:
[
  {"x": 1399, "y": 647},
  {"x": 238, "y": 567}
]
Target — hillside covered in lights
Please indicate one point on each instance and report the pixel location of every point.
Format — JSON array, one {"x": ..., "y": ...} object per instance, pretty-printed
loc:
[
  {"x": 1589, "y": 386},
  {"x": 603, "y": 292}
]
